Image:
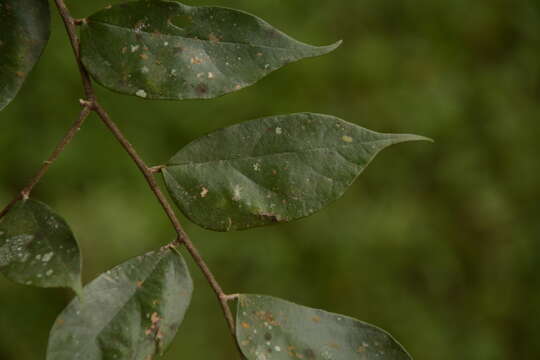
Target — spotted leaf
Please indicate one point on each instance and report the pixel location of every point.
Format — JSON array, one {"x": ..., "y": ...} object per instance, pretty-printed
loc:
[
  {"x": 271, "y": 170},
  {"x": 166, "y": 50},
  {"x": 38, "y": 248},
  {"x": 131, "y": 312},
  {"x": 274, "y": 329},
  {"x": 24, "y": 32}
]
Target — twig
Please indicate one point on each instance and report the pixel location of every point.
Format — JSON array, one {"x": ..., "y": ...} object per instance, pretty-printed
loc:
[
  {"x": 25, "y": 193},
  {"x": 69, "y": 23},
  {"x": 157, "y": 169},
  {"x": 148, "y": 172},
  {"x": 183, "y": 237},
  {"x": 232, "y": 297}
]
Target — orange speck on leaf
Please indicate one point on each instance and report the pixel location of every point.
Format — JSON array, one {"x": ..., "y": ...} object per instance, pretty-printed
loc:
[{"x": 245, "y": 325}]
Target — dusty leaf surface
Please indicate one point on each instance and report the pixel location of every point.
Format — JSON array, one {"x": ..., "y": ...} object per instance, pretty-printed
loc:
[
  {"x": 167, "y": 50},
  {"x": 130, "y": 312},
  {"x": 24, "y": 32},
  {"x": 273, "y": 329},
  {"x": 271, "y": 170},
  {"x": 38, "y": 248}
]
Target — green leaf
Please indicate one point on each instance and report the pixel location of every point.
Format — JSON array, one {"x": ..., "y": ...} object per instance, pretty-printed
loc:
[
  {"x": 24, "y": 32},
  {"x": 166, "y": 50},
  {"x": 272, "y": 329},
  {"x": 271, "y": 170},
  {"x": 38, "y": 248},
  {"x": 130, "y": 312}
]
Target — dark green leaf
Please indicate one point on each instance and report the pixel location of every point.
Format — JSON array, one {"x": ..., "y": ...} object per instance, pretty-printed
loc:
[
  {"x": 166, "y": 50},
  {"x": 274, "y": 329},
  {"x": 24, "y": 31},
  {"x": 38, "y": 248},
  {"x": 271, "y": 170},
  {"x": 131, "y": 312}
]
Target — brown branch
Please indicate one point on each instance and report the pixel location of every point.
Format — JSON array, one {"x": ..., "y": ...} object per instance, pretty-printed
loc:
[
  {"x": 69, "y": 23},
  {"x": 25, "y": 193},
  {"x": 183, "y": 237},
  {"x": 148, "y": 172}
]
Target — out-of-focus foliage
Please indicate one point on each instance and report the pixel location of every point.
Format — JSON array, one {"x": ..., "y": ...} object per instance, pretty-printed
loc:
[{"x": 436, "y": 244}]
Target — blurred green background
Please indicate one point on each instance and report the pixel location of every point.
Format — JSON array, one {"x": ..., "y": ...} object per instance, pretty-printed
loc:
[{"x": 438, "y": 244}]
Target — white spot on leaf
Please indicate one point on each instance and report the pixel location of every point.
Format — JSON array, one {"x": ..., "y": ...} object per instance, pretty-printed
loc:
[
  {"x": 204, "y": 192},
  {"x": 236, "y": 192},
  {"x": 47, "y": 257},
  {"x": 141, "y": 93},
  {"x": 5, "y": 255}
]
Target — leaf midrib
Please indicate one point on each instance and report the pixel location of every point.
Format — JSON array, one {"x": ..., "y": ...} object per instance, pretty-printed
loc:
[
  {"x": 277, "y": 153},
  {"x": 208, "y": 41}
]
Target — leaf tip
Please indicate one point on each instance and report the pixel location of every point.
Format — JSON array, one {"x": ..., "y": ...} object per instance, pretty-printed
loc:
[
  {"x": 399, "y": 138},
  {"x": 422, "y": 138},
  {"x": 329, "y": 48},
  {"x": 337, "y": 43}
]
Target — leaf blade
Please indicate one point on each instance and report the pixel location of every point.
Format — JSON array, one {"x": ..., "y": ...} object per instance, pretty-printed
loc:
[
  {"x": 130, "y": 312},
  {"x": 271, "y": 170},
  {"x": 271, "y": 328},
  {"x": 38, "y": 248},
  {"x": 219, "y": 51},
  {"x": 24, "y": 32}
]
